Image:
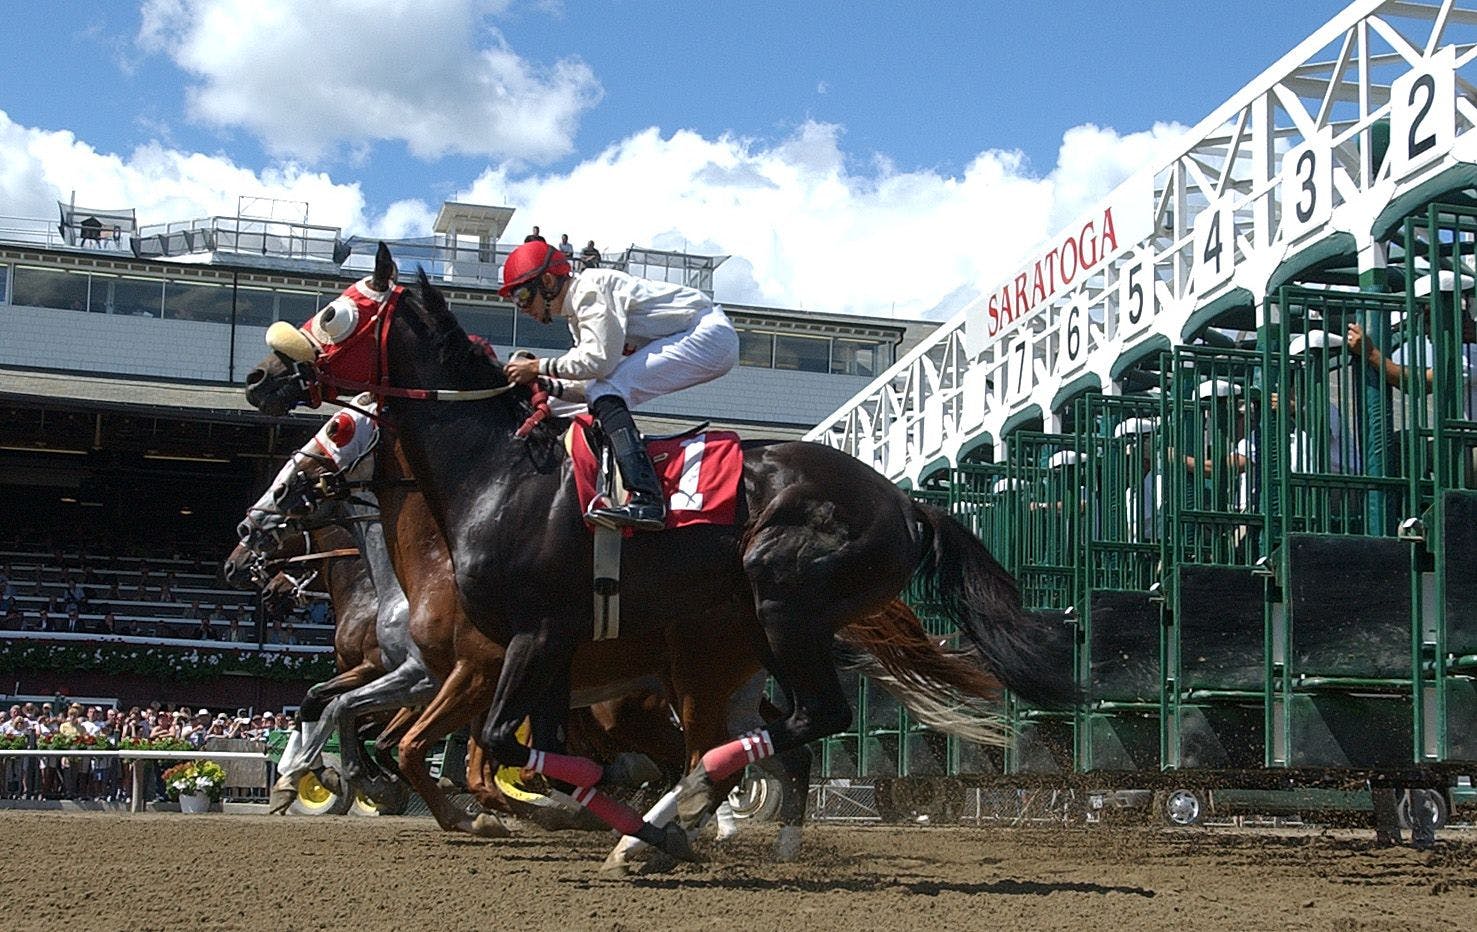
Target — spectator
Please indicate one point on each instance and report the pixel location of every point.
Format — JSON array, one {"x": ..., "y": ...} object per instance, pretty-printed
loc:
[
  {"x": 110, "y": 624},
  {"x": 113, "y": 591},
  {"x": 7, "y": 594},
  {"x": 165, "y": 726},
  {"x": 290, "y": 636},
  {"x": 534, "y": 237},
  {"x": 318, "y": 612},
  {"x": 590, "y": 256},
  {"x": 205, "y": 632},
  {"x": 43, "y": 622},
  {"x": 74, "y": 619},
  {"x": 198, "y": 731},
  {"x": 75, "y": 594},
  {"x": 13, "y": 619},
  {"x": 566, "y": 247}
]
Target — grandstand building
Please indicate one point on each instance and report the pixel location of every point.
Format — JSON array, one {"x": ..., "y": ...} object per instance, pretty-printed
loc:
[{"x": 128, "y": 453}]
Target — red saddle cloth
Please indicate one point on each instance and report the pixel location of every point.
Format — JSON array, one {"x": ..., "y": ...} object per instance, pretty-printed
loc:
[{"x": 700, "y": 473}]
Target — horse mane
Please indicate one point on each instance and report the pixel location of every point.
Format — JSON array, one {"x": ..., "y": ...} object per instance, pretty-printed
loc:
[{"x": 470, "y": 362}]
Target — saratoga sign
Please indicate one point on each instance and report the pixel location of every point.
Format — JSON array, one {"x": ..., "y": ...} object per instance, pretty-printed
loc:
[{"x": 1123, "y": 220}]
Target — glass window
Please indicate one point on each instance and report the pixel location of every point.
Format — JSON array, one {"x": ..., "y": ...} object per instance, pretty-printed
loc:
[
  {"x": 50, "y": 288},
  {"x": 131, "y": 297},
  {"x": 534, "y": 335},
  {"x": 856, "y": 357},
  {"x": 197, "y": 301},
  {"x": 807, "y": 354},
  {"x": 257, "y": 307},
  {"x": 4, "y": 281},
  {"x": 756, "y": 349},
  {"x": 296, "y": 307},
  {"x": 494, "y": 323}
]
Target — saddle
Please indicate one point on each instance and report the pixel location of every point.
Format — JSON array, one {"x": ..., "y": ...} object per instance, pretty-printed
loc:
[{"x": 700, "y": 471}]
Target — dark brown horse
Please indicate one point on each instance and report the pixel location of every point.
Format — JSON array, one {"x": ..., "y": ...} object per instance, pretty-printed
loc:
[{"x": 825, "y": 542}]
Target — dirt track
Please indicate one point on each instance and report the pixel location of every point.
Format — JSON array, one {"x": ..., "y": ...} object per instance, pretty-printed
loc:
[{"x": 106, "y": 871}]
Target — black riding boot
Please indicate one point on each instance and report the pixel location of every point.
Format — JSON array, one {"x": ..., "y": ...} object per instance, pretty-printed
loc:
[{"x": 645, "y": 509}]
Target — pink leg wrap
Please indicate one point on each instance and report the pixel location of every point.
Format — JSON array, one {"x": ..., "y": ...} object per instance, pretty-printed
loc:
[
  {"x": 575, "y": 770},
  {"x": 617, "y": 815},
  {"x": 728, "y": 759}
]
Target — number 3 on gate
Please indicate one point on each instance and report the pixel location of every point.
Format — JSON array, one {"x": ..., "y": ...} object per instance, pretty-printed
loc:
[
  {"x": 1307, "y": 187},
  {"x": 1423, "y": 113}
]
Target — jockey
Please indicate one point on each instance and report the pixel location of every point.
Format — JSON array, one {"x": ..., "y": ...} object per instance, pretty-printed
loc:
[{"x": 635, "y": 340}]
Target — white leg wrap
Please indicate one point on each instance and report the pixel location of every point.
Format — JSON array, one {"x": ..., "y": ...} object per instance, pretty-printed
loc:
[{"x": 728, "y": 825}]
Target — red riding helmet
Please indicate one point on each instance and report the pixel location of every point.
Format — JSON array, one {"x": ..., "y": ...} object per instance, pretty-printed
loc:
[{"x": 528, "y": 262}]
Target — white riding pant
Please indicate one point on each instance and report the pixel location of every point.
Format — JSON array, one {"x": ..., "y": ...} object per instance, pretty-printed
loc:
[{"x": 704, "y": 351}]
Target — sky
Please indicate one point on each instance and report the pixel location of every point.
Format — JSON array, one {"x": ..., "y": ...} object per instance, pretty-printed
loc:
[{"x": 887, "y": 159}]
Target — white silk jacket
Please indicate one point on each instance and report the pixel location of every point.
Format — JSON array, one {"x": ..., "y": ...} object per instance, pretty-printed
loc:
[{"x": 609, "y": 310}]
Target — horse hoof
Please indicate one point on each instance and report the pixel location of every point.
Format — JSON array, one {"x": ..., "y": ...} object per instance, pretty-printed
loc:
[
  {"x": 676, "y": 844},
  {"x": 281, "y": 800},
  {"x": 632, "y": 770},
  {"x": 615, "y": 867},
  {"x": 332, "y": 780},
  {"x": 787, "y": 845},
  {"x": 484, "y": 826}
]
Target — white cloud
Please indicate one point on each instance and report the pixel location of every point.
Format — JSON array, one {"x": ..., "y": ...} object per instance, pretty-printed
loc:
[
  {"x": 312, "y": 78},
  {"x": 40, "y": 167},
  {"x": 806, "y": 228},
  {"x": 812, "y": 233}
]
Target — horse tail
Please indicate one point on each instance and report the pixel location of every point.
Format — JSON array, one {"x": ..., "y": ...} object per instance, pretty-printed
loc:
[
  {"x": 943, "y": 689},
  {"x": 1026, "y": 652}
]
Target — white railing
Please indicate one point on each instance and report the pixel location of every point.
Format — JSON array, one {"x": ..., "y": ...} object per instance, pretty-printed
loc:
[
  {"x": 136, "y": 797},
  {"x": 1289, "y": 172}
]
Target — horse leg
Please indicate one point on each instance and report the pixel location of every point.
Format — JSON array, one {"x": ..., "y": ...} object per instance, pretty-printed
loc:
[
  {"x": 531, "y": 666},
  {"x": 447, "y": 711},
  {"x": 792, "y": 769},
  {"x": 390, "y": 736},
  {"x": 481, "y": 774},
  {"x": 407, "y": 685},
  {"x": 313, "y": 730},
  {"x": 798, "y": 649}
]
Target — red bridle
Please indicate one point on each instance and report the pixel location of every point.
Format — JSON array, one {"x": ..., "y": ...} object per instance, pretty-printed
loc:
[{"x": 379, "y": 385}]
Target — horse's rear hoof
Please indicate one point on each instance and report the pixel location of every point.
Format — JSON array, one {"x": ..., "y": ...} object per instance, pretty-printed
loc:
[
  {"x": 484, "y": 826},
  {"x": 676, "y": 844},
  {"x": 615, "y": 867}
]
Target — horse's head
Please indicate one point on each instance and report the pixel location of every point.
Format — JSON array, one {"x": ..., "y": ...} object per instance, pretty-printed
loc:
[
  {"x": 341, "y": 452},
  {"x": 374, "y": 330},
  {"x": 339, "y": 348}
]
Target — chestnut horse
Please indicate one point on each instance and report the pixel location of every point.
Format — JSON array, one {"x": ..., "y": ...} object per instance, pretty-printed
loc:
[{"x": 823, "y": 542}]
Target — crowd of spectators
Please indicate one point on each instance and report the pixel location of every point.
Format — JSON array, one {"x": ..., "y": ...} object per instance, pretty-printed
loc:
[
  {"x": 74, "y": 775},
  {"x": 588, "y": 258}
]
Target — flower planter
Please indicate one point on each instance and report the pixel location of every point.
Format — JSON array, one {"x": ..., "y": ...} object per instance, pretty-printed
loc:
[{"x": 194, "y": 802}]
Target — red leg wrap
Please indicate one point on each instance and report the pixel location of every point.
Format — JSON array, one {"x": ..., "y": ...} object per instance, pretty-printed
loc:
[{"x": 728, "y": 759}]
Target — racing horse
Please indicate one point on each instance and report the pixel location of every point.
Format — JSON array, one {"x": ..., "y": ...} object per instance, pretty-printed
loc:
[
  {"x": 282, "y": 571},
  {"x": 615, "y": 712},
  {"x": 824, "y": 541},
  {"x": 890, "y": 641}
]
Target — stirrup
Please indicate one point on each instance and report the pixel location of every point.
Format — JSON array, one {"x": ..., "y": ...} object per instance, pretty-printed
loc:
[{"x": 639, "y": 516}]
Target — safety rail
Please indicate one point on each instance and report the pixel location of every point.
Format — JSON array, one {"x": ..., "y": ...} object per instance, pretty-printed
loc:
[{"x": 136, "y": 797}]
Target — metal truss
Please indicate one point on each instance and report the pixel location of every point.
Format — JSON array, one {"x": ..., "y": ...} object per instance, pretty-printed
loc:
[{"x": 1312, "y": 164}]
